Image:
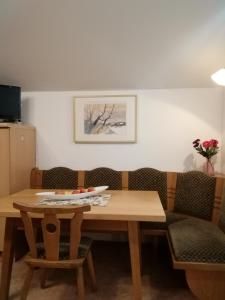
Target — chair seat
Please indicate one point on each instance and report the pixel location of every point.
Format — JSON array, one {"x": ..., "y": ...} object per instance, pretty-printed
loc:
[
  {"x": 197, "y": 241},
  {"x": 85, "y": 245}
]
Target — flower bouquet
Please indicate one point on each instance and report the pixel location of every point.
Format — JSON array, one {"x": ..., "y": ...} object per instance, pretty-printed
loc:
[{"x": 207, "y": 149}]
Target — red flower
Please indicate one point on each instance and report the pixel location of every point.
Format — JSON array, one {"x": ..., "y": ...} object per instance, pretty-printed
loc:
[
  {"x": 213, "y": 143},
  {"x": 206, "y": 144}
]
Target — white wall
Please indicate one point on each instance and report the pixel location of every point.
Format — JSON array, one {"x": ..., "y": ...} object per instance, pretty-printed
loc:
[
  {"x": 168, "y": 122},
  {"x": 223, "y": 133}
]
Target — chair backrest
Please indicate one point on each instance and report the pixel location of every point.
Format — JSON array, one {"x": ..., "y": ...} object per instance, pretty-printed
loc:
[
  {"x": 103, "y": 176},
  {"x": 195, "y": 194},
  {"x": 149, "y": 179},
  {"x": 51, "y": 227}
]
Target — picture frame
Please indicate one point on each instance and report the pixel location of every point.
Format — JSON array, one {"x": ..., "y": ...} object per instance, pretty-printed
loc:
[{"x": 105, "y": 119}]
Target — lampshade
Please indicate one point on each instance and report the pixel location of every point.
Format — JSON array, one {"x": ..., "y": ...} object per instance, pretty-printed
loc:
[{"x": 219, "y": 77}]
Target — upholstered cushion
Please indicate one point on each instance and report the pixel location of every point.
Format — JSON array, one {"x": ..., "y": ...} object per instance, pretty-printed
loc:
[
  {"x": 149, "y": 179},
  {"x": 222, "y": 216},
  {"x": 104, "y": 176},
  {"x": 59, "y": 178},
  {"x": 197, "y": 241},
  {"x": 195, "y": 194},
  {"x": 171, "y": 217},
  {"x": 85, "y": 244}
]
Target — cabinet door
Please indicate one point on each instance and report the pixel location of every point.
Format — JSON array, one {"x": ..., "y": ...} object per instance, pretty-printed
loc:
[
  {"x": 22, "y": 157},
  {"x": 4, "y": 174},
  {"x": 4, "y": 162}
]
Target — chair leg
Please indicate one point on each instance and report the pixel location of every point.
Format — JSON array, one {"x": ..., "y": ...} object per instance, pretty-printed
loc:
[
  {"x": 91, "y": 270},
  {"x": 26, "y": 284},
  {"x": 80, "y": 283}
]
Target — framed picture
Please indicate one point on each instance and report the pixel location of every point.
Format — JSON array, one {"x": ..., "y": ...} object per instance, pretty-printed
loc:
[{"x": 105, "y": 119}]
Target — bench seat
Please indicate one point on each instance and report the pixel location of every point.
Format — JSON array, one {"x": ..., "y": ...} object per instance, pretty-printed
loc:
[
  {"x": 171, "y": 217},
  {"x": 195, "y": 240}
]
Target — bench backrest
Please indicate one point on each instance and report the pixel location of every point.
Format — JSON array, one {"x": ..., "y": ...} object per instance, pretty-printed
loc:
[
  {"x": 149, "y": 179},
  {"x": 222, "y": 214},
  {"x": 55, "y": 178},
  {"x": 104, "y": 176},
  {"x": 193, "y": 193},
  {"x": 60, "y": 177}
]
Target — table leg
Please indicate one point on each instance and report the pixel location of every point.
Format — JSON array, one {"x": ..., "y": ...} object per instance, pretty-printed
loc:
[
  {"x": 135, "y": 257},
  {"x": 7, "y": 259}
]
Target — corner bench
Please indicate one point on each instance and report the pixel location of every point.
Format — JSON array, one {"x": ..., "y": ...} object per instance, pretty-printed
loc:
[{"x": 195, "y": 225}]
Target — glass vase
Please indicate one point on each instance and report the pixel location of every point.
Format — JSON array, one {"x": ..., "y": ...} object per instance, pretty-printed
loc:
[{"x": 209, "y": 168}]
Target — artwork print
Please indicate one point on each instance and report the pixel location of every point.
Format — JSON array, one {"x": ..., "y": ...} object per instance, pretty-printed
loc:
[{"x": 105, "y": 119}]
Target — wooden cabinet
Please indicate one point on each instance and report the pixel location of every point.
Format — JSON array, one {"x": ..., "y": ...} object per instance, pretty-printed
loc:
[{"x": 17, "y": 158}]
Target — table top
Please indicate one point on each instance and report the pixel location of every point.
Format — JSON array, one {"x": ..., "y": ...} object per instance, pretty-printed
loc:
[{"x": 123, "y": 206}]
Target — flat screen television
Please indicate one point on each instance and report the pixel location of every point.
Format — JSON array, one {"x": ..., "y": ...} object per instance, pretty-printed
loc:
[{"x": 10, "y": 103}]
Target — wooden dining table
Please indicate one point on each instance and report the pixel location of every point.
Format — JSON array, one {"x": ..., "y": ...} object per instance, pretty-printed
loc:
[{"x": 123, "y": 213}]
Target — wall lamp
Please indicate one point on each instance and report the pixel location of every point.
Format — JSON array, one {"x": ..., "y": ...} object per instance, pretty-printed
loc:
[{"x": 219, "y": 77}]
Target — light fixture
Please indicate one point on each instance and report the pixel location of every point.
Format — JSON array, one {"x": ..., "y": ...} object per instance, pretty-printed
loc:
[{"x": 219, "y": 77}]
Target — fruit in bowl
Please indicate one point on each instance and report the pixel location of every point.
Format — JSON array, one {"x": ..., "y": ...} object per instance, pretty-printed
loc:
[
  {"x": 73, "y": 194},
  {"x": 77, "y": 191}
]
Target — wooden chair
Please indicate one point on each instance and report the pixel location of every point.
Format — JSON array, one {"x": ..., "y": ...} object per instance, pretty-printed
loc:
[{"x": 51, "y": 251}]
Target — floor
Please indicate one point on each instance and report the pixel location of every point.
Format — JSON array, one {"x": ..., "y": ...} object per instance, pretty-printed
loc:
[{"x": 160, "y": 281}]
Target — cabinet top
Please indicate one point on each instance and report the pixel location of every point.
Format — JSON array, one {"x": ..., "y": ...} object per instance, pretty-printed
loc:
[{"x": 16, "y": 125}]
